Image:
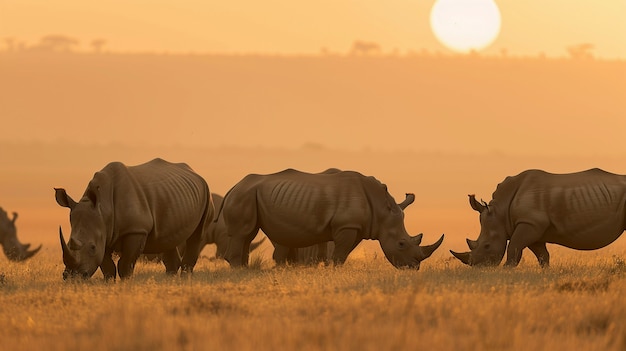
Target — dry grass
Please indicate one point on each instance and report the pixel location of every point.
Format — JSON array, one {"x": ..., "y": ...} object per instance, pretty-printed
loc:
[{"x": 365, "y": 305}]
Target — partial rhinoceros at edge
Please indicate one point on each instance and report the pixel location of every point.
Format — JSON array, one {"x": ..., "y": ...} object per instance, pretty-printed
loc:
[
  {"x": 13, "y": 249},
  {"x": 582, "y": 211}
]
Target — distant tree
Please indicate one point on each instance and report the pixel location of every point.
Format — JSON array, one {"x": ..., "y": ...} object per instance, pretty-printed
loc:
[
  {"x": 365, "y": 48},
  {"x": 98, "y": 45},
  {"x": 13, "y": 44},
  {"x": 10, "y": 43},
  {"x": 313, "y": 146},
  {"x": 581, "y": 51},
  {"x": 57, "y": 43}
]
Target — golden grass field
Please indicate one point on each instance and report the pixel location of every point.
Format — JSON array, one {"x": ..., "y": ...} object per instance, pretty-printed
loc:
[
  {"x": 365, "y": 305},
  {"x": 577, "y": 304}
]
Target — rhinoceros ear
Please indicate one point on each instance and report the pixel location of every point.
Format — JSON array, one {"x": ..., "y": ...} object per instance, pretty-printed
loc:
[
  {"x": 475, "y": 204},
  {"x": 63, "y": 199},
  {"x": 407, "y": 201}
]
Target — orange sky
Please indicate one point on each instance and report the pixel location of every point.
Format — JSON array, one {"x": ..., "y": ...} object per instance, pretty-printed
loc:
[
  {"x": 430, "y": 116},
  {"x": 529, "y": 27}
]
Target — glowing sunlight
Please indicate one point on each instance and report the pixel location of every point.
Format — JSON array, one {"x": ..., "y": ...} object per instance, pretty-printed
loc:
[{"x": 464, "y": 26}]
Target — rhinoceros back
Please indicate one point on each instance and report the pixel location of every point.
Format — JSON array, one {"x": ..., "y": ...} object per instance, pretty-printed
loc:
[
  {"x": 176, "y": 198},
  {"x": 301, "y": 208},
  {"x": 586, "y": 210}
]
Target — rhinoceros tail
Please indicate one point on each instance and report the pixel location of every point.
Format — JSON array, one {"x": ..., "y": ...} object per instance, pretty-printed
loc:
[
  {"x": 219, "y": 211},
  {"x": 255, "y": 245}
]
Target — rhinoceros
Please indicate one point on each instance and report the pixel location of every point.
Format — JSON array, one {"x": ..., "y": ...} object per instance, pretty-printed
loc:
[
  {"x": 13, "y": 249},
  {"x": 148, "y": 208},
  {"x": 583, "y": 211},
  {"x": 215, "y": 233},
  {"x": 297, "y": 209},
  {"x": 315, "y": 254}
]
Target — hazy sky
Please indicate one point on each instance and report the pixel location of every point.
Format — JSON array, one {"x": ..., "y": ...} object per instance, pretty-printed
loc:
[{"x": 529, "y": 27}]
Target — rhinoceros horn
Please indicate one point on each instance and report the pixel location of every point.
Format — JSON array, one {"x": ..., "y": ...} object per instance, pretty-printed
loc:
[
  {"x": 429, "y": 249},
  {"x": 68, "y": 259},
  {"x": 20, "y": 252},
  {"x": 31, "y": 253},
  {"x": 417, "y": 239},
  {"x": 407, "y": 201},
  {"x": 462, "y": 256},
  {"x": 472, "y": 244}
]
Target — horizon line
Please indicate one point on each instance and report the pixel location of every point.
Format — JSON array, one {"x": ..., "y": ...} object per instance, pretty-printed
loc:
[
  {"x": 389, "y": 55},
  {"x": 58, "y": 43},
  {"x": 314, "y": 147}
]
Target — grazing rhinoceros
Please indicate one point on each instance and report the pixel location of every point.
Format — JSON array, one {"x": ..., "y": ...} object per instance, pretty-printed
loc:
[
  {"x": 298, "y": 209},
  {"x": 583, "y": 211},
  {"x": 13, "y": 249},
  {"x": 215, "y": 233},
  {"x": 315, "y": 254},
  {"x": 149, "y": 208}
]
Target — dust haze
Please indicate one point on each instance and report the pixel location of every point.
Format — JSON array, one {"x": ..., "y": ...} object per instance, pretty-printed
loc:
[{"x": 441, "y": 127}]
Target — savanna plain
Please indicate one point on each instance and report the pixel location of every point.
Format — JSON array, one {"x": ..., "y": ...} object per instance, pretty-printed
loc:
[
  {"x": 441, "y": 128},
  {"x": 364, "y": 305}
]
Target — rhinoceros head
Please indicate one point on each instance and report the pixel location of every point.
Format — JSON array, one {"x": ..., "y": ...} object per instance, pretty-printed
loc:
[
  {"x": 490, "y": 247},
  {"x": 13, "y": 249},
  {"x": 84, "y": 252},
  {"x": 401, "y": 249}
]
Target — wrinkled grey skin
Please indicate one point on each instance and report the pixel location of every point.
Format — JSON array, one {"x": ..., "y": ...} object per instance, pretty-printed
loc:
[
  {"x": 304, "y": 255},
  {"x": 315, "y": 254},
  {"x": 582, "y": 211},
  {"x": 297, "y": 209},
  {"x": 13, "y": 249},
  {"x": 215, "y": 233},
  {"x": 149, "y": 208}
]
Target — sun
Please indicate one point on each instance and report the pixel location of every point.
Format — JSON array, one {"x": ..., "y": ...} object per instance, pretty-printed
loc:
[{"x": 465, "y": 25}]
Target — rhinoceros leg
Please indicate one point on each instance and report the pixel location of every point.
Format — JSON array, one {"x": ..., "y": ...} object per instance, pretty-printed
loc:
[
  {"x": 292, "y": 255},
  {"x": 523, "y": 236},
  {"x": 132, "y": 247},
  {"x": 543, "y": 256},
  {"x": 171, "y": 260},
  {"x": 283, "y": 254},
  {"x": 322, "y": 252},
  {"x": 108, "y": 267},
  {"x": 345, "y": 241},
  {"x": 193, "y": 246},
  {"x": 246, "y": 247}
]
